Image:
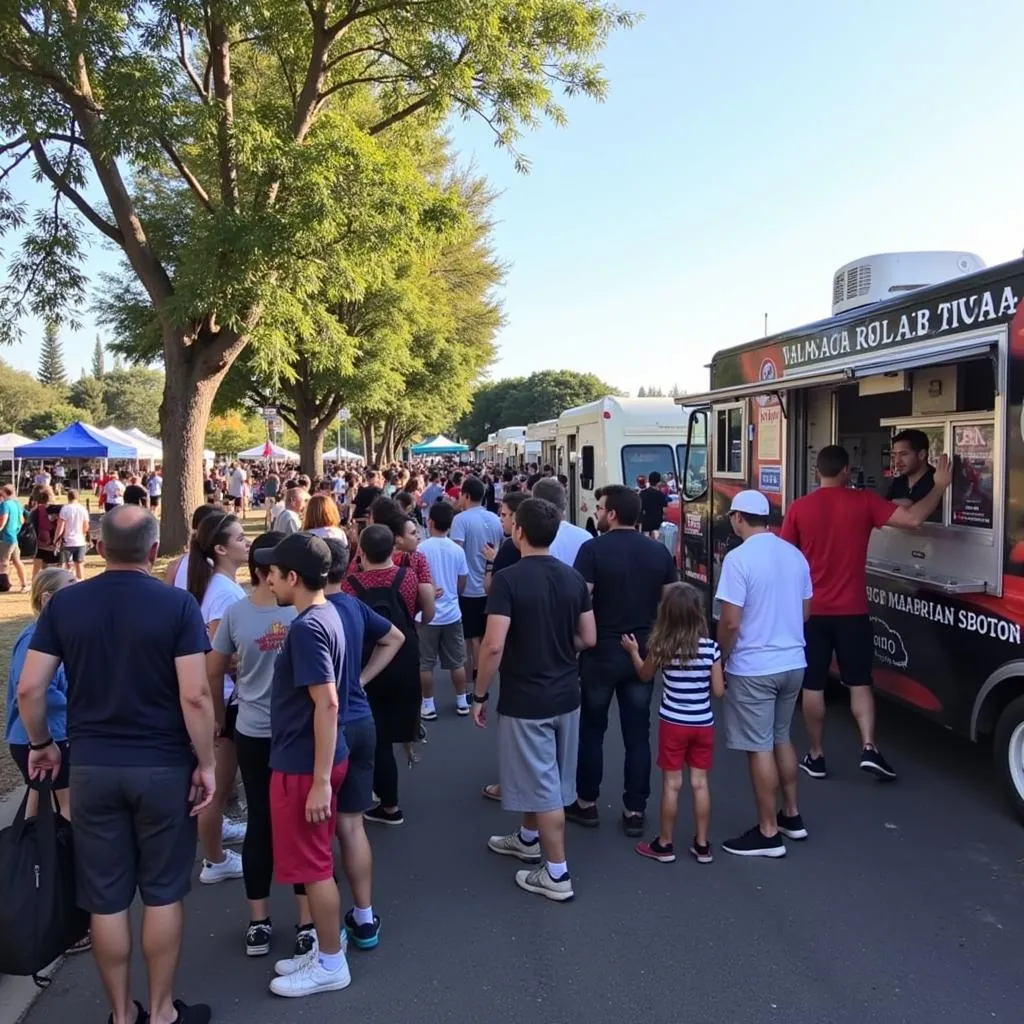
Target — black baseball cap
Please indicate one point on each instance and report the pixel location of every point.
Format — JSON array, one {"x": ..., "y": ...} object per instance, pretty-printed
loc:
[{"x": 303, "y": 553}]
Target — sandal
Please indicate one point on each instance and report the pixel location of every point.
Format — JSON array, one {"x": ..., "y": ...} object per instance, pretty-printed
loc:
[
  {"x": 492, "y": 792},
  {"x": 83, "y": 945}
]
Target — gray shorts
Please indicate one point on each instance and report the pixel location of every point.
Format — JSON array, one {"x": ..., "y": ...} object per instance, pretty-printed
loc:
[
  {"x": 132, "y": 832},
  {"x": 537, "y": 762},
  {"x": 446, "y": 641},
  {"x": 356, "y": 793},
  {"x": 759, "y": 709}
]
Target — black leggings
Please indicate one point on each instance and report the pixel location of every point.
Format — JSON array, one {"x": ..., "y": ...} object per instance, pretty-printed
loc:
[
  {"x": 385, "y": 773},
  {"x": 258, "y": 849}
]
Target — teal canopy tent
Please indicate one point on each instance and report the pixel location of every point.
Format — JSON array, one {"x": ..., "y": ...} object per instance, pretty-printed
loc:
[{"x": 439, "y": 445}]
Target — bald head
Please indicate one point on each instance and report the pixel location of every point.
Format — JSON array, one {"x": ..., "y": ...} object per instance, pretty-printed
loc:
[{"x": 131, "y": 535}]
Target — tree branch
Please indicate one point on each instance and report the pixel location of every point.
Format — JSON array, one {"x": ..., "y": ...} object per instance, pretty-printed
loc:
[
  {"x": 401, "y": 115},
  {"x": 186, "y": 64},
  {"x": 193, "y": 182},
  {"x": 220, "y": 54},
  {"x": 62, "y": 185}
]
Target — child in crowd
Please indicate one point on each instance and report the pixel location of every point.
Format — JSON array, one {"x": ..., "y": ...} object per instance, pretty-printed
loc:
[{"x": 691, "y": 667}]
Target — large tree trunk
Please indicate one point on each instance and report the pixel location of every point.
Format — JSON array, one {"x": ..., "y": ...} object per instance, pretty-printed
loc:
[
  {"x": 192, "y": 374},
  {"x": 311, "y": 447},
  {"x": 368, "y": 447}
]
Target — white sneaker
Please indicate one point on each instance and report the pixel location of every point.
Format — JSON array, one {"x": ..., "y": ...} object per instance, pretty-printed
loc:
[
  {"x": 310, "y": 978},
  {"x": 232, "y": 832},
  {"x": 284, "y": 968},
  {"x": 229, "y": 867},
  {"x": 513, "y": 846}
]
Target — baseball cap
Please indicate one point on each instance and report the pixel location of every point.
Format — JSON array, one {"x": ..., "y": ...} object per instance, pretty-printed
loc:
[
  {"x": 303, "y": 553},
  {"x": 754, "y": 503}
]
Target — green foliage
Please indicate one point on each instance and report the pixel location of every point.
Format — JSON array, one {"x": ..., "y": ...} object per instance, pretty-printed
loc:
[
  {"x": 51, "y": 358},
  {"x": 233, "y": 432},
  {"x": 99, "y": 365},
  {"x": 131, "y": 398},
  {"x": 87, "y": 394},
  {"x": 519, "y": 401},
  {"x": 21, "y": 395},
  {"x": 49, "y": 421}
]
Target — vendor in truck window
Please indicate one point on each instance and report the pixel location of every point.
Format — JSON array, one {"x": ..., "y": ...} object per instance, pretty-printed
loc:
[
  {"x": 916, "y": 476},
  {"x": 832, "y": 527}
]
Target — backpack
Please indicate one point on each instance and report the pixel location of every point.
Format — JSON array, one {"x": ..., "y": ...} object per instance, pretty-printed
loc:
[
  {"x": 28, "y": 542},
  {"x": 44, "y": 525},
  {"x": 39, "y": 918},
  {"x": 395, "y": 694}
]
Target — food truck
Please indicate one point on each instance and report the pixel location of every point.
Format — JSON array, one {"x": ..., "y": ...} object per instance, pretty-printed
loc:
[
  {"x": 541, "y": 440},
  {"x": 616, "y": 441},
  {"x": 946, "y": 600}
]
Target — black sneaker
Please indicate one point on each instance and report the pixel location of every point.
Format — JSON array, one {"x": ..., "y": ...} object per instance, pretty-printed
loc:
[
  {"x": 633, "y": 824},
  {"x": 814, "y": 766},
  {"x": 197, "y": 1013},
  {"x": 701, "y": 854},
  {"x": 791, "y": 826},
  {"x": 754, "y": 843},
  {"x": 141, "y": 1017},
  {"x": 305, "y": 939},
  {"x": 364, "y": 936},
  {"x": 257, "y": 938},
  {"x": 382, "y": 817},
  {"x": 586, "y": 816},
  {"x": 872, "y": 761},
  {"x": 664, "y": 853}
]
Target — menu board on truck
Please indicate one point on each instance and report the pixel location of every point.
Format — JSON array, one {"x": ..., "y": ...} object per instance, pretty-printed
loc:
[{"x": 973, "y": 474}]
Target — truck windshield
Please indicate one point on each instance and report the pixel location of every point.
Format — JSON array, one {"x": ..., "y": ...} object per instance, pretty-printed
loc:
[{"x": 643, "y": 459}]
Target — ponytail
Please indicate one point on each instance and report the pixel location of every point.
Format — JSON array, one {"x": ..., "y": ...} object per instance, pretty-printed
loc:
[{"x": 202, "y": 554}]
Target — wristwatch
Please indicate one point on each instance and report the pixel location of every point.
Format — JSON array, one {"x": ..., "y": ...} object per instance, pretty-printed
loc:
[
  {"x": 40, "y": 746},
  {"x": 477, "y": 699}
]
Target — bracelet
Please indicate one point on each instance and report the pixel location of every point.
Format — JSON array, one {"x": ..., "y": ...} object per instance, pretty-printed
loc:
[
  {"x": 488, "y": 567},
  {"x": 477, "y": 699},
  {"x": 40, "y": 746}
]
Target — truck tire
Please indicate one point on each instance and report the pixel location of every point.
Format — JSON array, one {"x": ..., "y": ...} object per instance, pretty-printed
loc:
[{"x": 1008, "y": 749}]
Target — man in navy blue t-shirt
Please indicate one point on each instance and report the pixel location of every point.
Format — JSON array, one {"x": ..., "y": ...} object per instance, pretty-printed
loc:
[
  {"x": 308, "y": 755},
  {"x": 140, "y": 716},
  {"x": 363, "y": 627}
]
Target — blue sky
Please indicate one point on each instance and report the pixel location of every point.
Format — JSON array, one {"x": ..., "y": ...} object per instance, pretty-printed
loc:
[{"x": 744, "y": 153}]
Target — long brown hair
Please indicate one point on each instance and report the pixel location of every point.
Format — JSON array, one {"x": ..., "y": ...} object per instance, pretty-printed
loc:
[
  {"x": 680, "y": 627},
  {"x": 201, "y": 554},
  {"x": 321, "y": 511}
]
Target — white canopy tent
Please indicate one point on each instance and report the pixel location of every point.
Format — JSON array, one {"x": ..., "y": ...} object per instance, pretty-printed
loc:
[
  {"x": 340, "y": 454},
  {"x": 277, "y": 453},
  {"x": 8, "y": 442},
  {"x": 208, "y": 453},
  {"x": 146, "y": 451}
]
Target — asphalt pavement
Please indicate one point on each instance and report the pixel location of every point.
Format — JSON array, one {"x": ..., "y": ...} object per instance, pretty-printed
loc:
[{"x": 904, "y": 905}]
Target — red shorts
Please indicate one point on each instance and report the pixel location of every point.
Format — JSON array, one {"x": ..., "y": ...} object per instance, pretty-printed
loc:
[
  {"x": 302, "y": 852},
  {"x": 685, "y": 746}
]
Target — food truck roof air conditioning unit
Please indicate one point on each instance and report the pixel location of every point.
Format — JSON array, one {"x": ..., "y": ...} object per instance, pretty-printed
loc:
[{"x": 886, "y": 275}]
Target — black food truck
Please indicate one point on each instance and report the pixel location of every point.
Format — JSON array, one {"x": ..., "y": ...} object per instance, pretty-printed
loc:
[{"x": 946, "y": 600}]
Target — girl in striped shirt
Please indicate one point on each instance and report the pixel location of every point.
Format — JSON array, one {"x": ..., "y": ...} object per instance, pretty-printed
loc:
[{"x": 691, "y": 668}]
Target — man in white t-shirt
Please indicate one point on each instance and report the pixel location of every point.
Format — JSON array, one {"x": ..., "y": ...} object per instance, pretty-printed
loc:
[
  {"x": 289, "y": 519},
  {"x": 75, "y": 537},
  {"x": 236, "y": 483},
  {"x": 570, "y": 538},
  {"x": 764, "y": 592},
  {"x": 443, "y": 637},
  {"x": 113, "y": 493}
]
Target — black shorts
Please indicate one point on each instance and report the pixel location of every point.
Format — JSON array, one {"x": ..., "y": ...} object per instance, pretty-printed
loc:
[
  {"x": 474, "y": 617},
  {"x": 133, "y": 832},
  {"x": 850, "y": 639},
  {"x": 230, "y": 720},
  {"x": 19, "y": 755},
  {"x": 154, "y": 501},
  {"x": 47, "y": 557},
  {"x": 356, "y": 793}
]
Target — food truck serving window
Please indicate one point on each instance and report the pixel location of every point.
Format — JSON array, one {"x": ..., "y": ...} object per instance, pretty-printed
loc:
[
  {"x": 643, "y": 459},
  {"x": 728, "y": 437}
]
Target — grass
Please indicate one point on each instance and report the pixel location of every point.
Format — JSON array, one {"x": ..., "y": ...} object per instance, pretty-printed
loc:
[{"x": 16, "y": 613}]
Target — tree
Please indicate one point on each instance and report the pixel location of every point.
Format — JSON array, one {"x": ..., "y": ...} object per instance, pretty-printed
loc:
[
  {"x": 233, "y": 432},
  {"x": 228, "y": 173},
  {"x": 98, "y": 359},
  {"x": 21, "y": 395},
  {"x": 131, "y": 398},
  {"x": 519, "y": 401},
  {"x": 650, "y": 392},
  {"x": 51, "y": 358},
  {"x": 45, "y": 422},
  {"x": 87, "y": 394}
]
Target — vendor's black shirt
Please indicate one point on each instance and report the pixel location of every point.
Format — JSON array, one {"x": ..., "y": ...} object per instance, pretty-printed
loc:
[
  {"x": 652, "y": 508},
  {"x": 544, "y": 600},
  {"x": 900, "y": 490}
]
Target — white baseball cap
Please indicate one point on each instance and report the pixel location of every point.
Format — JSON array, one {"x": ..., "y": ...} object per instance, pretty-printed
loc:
[{"x": 752, "y": 502}]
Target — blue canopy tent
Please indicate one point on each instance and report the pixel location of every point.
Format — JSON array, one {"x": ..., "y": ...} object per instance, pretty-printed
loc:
[
  {"x": 79, "y": 441},
  {"x": 439, "y": 445}
]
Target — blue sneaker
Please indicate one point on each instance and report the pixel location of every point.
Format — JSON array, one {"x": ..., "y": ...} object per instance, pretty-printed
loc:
[{"x": 364, "y": 936}]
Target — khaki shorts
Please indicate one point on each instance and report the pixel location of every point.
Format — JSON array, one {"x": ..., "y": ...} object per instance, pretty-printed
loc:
[{"x": 444, "y": 641}]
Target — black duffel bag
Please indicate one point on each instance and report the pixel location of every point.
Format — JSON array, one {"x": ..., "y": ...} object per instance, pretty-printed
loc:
[{"x": 39, "y": 918}]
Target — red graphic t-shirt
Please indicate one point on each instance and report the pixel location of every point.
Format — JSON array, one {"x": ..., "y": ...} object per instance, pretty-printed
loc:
[{"x": 832, "y": 527}]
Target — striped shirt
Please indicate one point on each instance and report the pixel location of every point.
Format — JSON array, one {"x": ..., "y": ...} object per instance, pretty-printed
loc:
[{"x": 686, "y": 693}]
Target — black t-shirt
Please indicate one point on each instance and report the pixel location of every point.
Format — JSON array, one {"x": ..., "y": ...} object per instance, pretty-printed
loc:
[
  {"x": 627, "y": 571},
  {"x": 208, "y": 486},
  {"x": 544, "y": 600},
  {"x": 508, "y": 554},
  {"x": 365, "y": 497},
  {"x": 136, "y": 495},
  {"x": 652, "y": 508},
  {"x": 900, "y": 490},
  {"x": 531, "y": 481}
]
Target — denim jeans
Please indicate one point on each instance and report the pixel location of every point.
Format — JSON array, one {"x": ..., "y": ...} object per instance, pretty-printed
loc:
[{"x": 600, "y": 681}]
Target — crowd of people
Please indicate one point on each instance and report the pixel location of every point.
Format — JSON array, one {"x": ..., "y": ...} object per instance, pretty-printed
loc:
[{"x": 143, "y": 697}]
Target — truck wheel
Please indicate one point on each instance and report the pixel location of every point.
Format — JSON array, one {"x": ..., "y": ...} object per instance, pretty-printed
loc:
[{"x": 1008, "y": 748}]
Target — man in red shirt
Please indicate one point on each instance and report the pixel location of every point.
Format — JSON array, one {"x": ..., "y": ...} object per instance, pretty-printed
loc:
[{"x": 832, "y": 527}]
